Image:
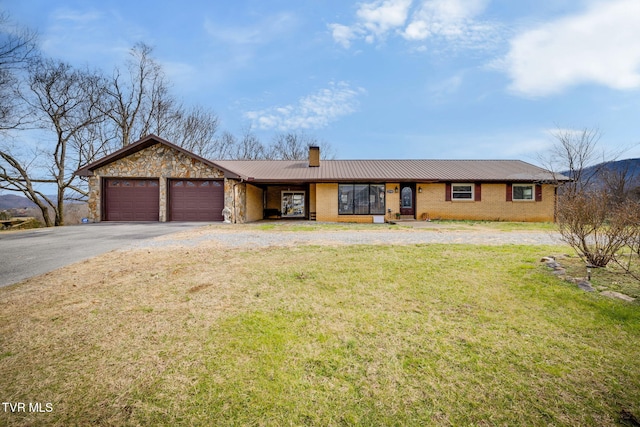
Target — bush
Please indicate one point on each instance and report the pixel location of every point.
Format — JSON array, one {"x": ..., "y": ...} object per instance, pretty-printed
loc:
[{"x": 597, "y": 227}]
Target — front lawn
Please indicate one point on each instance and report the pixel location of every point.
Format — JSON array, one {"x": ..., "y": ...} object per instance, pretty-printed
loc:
[{"x": 353, "y": 335}]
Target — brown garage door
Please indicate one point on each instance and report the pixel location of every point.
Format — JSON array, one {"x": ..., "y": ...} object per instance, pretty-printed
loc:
[
  {"x": 131, "y": 200},
  {"x": 196, "y": 200}
]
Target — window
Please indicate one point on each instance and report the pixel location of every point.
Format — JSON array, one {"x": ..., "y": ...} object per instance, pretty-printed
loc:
[
  {"x": 462, "y": 191},
  {"x": 406, "y": 198},
  {"x": 361, "y": 199},
  {"x": 293, "y": 204},
  {"x": 522, "y": 192}
]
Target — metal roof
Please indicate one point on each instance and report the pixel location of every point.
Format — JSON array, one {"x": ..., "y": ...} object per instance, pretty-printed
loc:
[
  {"x": 388, "y": 170},
  {"x": 272, "y": 171}
]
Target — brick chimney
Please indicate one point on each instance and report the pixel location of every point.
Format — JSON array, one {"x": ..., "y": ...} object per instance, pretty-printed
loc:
[{"x": 314, "y": 156}]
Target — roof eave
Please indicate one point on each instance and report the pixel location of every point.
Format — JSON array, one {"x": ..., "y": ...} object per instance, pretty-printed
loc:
[{"x": 141, "y": 144}]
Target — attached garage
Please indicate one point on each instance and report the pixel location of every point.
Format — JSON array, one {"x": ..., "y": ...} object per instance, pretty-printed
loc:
[
  {"x": 196, "y": 199},
  {"x": 131, "y": 199}
]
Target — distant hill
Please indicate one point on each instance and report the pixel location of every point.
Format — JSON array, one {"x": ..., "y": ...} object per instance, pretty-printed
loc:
[
  {"x": 631, "y": 166},
  {"x": 13, "y": 201}
]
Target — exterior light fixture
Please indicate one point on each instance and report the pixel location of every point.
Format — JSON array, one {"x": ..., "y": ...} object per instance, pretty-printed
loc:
[
  {"x": 419, "y": 189},
  {"x": 589, "y": 267},
  {"x": 396, "y": 188}
]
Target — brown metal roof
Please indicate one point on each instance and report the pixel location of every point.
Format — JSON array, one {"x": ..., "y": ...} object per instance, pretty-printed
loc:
[
  {"x": 270, "y": 171},
  {"x": 388, "y": 170}
]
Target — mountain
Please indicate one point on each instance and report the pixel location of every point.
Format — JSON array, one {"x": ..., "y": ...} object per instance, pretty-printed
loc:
[
  {"x": 13, "y": 201},
  {"x": 630, "y": 167}
]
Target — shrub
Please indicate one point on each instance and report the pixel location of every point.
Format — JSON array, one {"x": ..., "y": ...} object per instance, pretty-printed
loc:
[{"x": 597, "y": 227}]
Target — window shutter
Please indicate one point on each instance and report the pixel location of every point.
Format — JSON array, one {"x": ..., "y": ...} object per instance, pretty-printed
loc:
[
  {"x": 478, "y": 192},
  {"x": 538, "y": 193},
  {"x": 509, "y": 193},
  {"x": 447, "y": 192}
]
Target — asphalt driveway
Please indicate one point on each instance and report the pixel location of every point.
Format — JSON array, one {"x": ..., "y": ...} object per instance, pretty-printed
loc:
[{"x": 28, "y": 253}]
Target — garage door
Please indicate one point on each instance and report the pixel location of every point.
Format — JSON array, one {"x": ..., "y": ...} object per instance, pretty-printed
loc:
[
  {"x": 196, "y": 200},
  {"x": 131, "y": 200}
]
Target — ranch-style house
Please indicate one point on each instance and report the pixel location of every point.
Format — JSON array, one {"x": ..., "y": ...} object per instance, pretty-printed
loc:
[{"x": 155, "y": 180}]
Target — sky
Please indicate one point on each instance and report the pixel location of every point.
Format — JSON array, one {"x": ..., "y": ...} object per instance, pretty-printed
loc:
[{"x": 383, "y": 79}]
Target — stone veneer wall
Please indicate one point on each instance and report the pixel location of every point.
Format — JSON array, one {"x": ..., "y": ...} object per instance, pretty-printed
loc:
[{"x": 157, "y": 161}]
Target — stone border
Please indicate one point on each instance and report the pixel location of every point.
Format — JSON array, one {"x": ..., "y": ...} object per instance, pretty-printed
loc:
[{"x": 582, "y": 282}]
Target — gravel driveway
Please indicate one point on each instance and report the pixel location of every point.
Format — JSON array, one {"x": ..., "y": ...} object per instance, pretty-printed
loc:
[{"x": 243, "y": 237}]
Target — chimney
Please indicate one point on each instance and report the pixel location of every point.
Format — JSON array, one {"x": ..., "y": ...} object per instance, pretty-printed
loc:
[{"x": 314, "y": 156}]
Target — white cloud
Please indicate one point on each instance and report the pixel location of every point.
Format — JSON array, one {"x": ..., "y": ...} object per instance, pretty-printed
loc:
[
  {"x": 598, "y": 46},
  {"x": 264, "y": 31},
  {"x": 447, "y": 18},
  {"x": 310, "y": 112},
  {"x": 454, "y": 21},
  {"x": 374, "y": 21},
  {"x": 343, "y": 34},
  {"x": 381, "y": 16}
]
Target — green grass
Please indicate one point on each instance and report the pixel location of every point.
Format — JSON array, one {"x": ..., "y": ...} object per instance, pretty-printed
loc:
[{"x": 360, "y": 335}]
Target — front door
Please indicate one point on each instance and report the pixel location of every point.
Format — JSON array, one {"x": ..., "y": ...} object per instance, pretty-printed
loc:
[{"x": 407, "y": 199}]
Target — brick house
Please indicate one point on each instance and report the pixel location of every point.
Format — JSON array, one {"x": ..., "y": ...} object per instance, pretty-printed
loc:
[{"x": 154, "y": 180}]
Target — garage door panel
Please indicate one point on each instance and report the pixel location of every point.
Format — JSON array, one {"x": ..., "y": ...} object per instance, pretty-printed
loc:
[
  {"x": 196, "y": 200},
  {"x": 132, "y": 200}
]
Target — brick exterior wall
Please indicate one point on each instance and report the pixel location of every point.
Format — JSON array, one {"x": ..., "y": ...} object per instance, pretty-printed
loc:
[
  {"x": 254, "y": 202},
  {"x": 492, "y": 207},
  {"x": 157, "y": 161},
  {"x": 431, "y": 202}
]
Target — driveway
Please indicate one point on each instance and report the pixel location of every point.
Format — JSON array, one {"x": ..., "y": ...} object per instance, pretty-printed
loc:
[{"x": 29, "y": 253}]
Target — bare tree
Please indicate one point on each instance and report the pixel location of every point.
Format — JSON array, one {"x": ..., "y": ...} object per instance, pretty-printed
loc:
[
  {"x": 141, "y": 103},
  {"x": 572, "y": 153},
  {"x": 66, "y": 104},
  {"x": 619, "y": 180},
  {"x": 195, "y": 130},
  {"x": 295, "y": 146},
  {"x": 17, "y": 47},
  {"x": 592, "y": 217},
  {"x": 136, "y": 96},
  {"x": 248, "y": 147},
  {"x": 596, "y": 232}
]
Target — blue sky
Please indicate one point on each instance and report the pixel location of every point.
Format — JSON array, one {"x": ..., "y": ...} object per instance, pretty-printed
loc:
[{"x": 445, "y": 79}]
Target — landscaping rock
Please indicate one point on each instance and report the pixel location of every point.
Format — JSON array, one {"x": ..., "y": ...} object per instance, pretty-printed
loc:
[
  {"x": 585, "y": 286},
  {"x": 618, "y": 295},
  {"x": 553, "y": 264}
]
